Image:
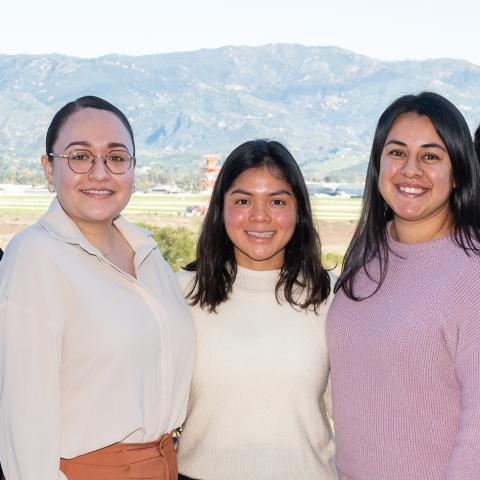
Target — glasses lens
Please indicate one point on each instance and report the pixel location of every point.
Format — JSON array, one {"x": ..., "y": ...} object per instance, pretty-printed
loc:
[
  {"x": 118, "y": 161},
  {"x": 80, "y": 161}
]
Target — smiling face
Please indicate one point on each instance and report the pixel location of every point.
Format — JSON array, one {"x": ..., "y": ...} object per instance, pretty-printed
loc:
[
  {"x": 260, "y": 213},
  {"x": 416, "y": 177},
  {"x": 97, "y": 196}
]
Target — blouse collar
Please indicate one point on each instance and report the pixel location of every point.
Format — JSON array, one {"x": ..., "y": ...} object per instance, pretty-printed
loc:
[{"x": 61, "y": 227}]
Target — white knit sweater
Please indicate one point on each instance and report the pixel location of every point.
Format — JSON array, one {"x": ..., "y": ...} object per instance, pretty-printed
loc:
[{"x": 257, "y": 405}]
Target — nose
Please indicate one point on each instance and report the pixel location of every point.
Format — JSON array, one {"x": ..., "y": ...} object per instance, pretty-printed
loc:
[
  {"x": 411, "y": 167},
  {"x": 99, "y": 170},
  {"x": 259, "y": 213}
]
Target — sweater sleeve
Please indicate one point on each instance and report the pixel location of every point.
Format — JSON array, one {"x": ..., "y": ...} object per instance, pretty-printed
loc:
[
  {"x": 30, "y": 350},
  {"x": 465, "y": 460},
  {"x": 327, "y": 400}
]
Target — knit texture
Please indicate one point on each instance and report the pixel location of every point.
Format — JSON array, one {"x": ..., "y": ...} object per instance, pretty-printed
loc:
[
  {"x": 406, "y": 368},
  {"x": 257, "y": 407}
]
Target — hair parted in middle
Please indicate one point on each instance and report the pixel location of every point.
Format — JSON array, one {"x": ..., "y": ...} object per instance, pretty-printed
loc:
[
  {"x": 370, "y": 238},
  {"x": 304, "y": 280},
  {"x": 87, "y": 101}
]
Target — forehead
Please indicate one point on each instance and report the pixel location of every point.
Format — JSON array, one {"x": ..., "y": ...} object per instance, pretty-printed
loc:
[
  {"x": 265, "y": 177},
  {"x": 98, "y": 127},
  {"x": 414, "y": 128}
]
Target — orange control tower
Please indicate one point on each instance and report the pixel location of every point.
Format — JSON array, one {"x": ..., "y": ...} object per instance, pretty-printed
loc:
[{"x": 210, "y": 171}]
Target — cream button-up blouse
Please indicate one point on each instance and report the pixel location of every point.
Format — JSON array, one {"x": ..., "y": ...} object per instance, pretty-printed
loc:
[{"x": 89, "y": 355}]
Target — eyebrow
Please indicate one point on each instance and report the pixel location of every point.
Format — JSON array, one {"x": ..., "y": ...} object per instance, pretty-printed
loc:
[
  {"x": 271, "y": 194},
  {"x": 84, "y": 143},
  {"x": 425, "y": 145}
]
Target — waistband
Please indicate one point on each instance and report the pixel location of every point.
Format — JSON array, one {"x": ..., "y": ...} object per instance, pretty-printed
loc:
[{"x": 125, "y": 454}]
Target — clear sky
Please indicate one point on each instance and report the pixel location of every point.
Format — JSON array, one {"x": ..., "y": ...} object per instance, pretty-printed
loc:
[{"x": 384, "y": 29}]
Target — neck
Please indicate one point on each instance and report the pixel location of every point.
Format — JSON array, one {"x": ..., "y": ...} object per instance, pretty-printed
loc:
[
  {"x": 405, "y": 231},
  {"x": 101, "y": 235}
]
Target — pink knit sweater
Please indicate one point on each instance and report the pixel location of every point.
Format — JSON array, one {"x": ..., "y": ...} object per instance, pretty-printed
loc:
[{"x": 405, "y": 368}]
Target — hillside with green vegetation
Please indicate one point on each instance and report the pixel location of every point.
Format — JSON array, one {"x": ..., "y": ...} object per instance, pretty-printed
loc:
[{"x": 322, "y": 102}]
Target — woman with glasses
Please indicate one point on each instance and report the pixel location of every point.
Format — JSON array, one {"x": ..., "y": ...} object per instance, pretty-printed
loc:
[
  {"x": 96, "y": 341},
  {"x": 403, "y": 331}
]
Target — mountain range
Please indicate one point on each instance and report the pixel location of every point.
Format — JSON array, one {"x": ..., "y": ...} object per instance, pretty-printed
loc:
[{"x": 322, "y": 102}]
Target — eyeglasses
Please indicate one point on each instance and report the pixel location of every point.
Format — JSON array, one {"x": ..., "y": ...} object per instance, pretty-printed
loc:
[{"x": 83, "y": 161}]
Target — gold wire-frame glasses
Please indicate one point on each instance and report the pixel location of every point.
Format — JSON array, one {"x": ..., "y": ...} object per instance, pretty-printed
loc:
[{"x": 83, "y": 161}]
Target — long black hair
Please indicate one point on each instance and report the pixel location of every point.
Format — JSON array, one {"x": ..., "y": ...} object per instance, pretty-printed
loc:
[
  {"x": 370, "y": 237},
  {"x": 304, "y": 280},
  {"x": 88, "y": 101}
]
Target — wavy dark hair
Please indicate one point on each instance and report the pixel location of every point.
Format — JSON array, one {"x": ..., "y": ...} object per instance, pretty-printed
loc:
[
  {"x": 370, "y": 238},
  {"x": 88, "y": 101},
  {"x": 304, "y": 281},
  {"x": 476, "y": 142}
]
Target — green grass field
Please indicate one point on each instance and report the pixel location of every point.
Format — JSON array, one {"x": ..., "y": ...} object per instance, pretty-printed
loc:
[
  {"x": 336, "y": 217},
  {"x": 29, "y": 206}
]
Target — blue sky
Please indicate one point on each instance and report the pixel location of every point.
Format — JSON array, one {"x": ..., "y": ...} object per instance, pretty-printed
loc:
[{"x": 407, "y": 29}]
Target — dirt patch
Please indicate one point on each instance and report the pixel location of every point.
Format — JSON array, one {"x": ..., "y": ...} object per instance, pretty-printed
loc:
[{"x": 335, "y": 235}]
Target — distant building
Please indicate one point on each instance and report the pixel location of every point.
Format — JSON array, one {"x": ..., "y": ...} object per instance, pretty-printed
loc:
[
  {"x": 164, "y": 189},
  {"x": 335, "y": 189},
  {"x": 354, "y": 189},
  {"x": 321, "y": 188},
  {"x": 210, "y": 171}
]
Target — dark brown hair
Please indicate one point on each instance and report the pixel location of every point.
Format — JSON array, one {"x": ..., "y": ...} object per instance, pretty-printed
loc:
[
  {"x": 304, "y": 281},
  {"x": 370, "y": 237},
  {"x": 88, "y": 101}
]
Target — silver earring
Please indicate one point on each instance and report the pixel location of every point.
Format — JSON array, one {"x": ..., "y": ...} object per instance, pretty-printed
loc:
[
  {"x": 134, "y": 188},
  {"x": 51, "y": 188}
]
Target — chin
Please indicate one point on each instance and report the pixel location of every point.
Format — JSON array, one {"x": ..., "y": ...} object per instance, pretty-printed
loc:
[{"x": 100, "y": 216}]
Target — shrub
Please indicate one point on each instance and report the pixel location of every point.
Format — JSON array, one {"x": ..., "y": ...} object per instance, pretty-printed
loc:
[
  {"x": 177, "y": 244},
  {"x": 332, "y": 260}
]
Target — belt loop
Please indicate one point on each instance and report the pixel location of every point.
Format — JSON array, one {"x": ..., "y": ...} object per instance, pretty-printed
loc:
[{"x": 163, "y": 443}]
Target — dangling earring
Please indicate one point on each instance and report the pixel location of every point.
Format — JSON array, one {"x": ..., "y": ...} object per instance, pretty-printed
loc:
[
  {"x": 51, "y": 188},
  {"x": 134, "y": 188}
]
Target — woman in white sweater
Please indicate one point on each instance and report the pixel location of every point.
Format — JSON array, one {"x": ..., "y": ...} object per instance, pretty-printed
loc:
[{"x": 257, "y": 290}]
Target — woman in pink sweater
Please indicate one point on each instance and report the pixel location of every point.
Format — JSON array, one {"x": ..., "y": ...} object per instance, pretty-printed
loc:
[{"x": 404, "y": 328}]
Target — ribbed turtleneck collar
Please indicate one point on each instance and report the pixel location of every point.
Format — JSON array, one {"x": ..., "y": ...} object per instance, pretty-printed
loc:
[{"x": 256, "y": 280}]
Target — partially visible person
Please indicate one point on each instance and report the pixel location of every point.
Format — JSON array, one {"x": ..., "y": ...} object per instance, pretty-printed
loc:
[
  {"x": 1, "y": 471},
  {"x": 96, "y": 340},
  {"x": 477, "y": 142},
  {"x": 403, "y": 330},
  {"x": 257, "y": 289}
]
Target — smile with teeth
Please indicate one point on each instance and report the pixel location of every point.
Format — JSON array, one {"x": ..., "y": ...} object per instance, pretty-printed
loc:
[
  {"x": 97, "y": 192},
  {"x": 412, "y": 190},
  {"x": 260, "y": 234}
]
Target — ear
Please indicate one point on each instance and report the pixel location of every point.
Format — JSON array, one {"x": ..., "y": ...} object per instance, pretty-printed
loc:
[{"x": 47, "y": 168}]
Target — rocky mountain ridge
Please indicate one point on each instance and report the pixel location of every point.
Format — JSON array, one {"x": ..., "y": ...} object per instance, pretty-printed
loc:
[{"x": 322, "y": 102}]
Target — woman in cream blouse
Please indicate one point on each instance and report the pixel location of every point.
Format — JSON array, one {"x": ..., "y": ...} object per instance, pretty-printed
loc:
[{"x": 96, "y": 343}]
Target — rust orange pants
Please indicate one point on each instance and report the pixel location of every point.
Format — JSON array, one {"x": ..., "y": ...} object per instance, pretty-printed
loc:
[{"x": 125, "y": 461}]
